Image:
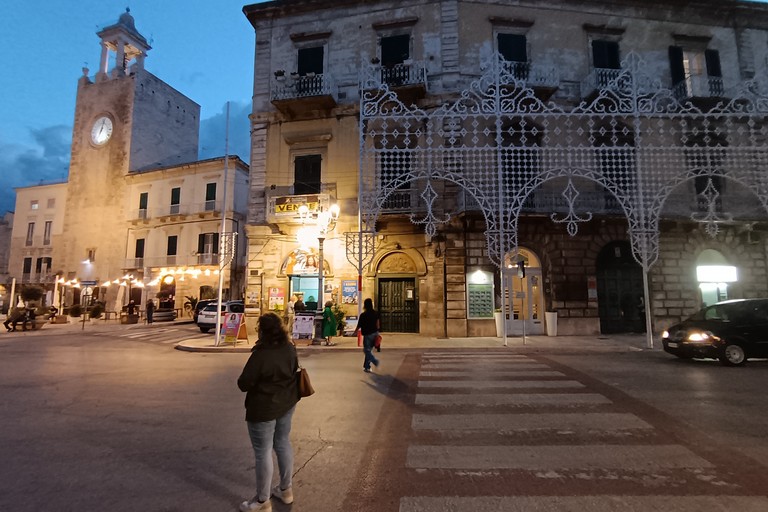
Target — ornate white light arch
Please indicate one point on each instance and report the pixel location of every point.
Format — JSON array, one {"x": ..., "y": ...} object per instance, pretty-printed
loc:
[{"x": 500, "y": 142}]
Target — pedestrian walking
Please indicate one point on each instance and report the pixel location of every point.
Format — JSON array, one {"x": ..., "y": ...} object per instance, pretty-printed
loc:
[
  {"x": 269, "y": 381},
  {"x": 150, "y": 310},
  {"x": 330, "y": 324},
  {"x": 291, "y": 312},
  {"x": 369, "y": 324}
]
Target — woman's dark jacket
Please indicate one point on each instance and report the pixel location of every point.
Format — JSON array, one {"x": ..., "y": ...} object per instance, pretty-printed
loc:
[
  {"x": 269, "y": 381},
  {"x": 368, "y": 323}
]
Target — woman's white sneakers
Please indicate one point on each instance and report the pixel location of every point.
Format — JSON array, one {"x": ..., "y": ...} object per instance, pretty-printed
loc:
[{"x": 284, "y": 495}]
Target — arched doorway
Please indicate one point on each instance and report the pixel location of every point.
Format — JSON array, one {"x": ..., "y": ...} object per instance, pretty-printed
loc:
[
  {"x": 397, "y": 293},
  {"x": 619, "y": 290},
  {"x": 523, "y": 293}
]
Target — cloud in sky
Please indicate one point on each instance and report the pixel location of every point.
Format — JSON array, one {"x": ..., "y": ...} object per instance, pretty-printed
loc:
[{"x": 48, "y": 158}]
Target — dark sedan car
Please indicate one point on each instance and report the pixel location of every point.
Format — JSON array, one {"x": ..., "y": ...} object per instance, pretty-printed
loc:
[{"x": 731, "y": 331}]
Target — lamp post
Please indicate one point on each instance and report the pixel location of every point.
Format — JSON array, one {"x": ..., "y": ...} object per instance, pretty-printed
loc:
[{"x": 325, "y": 222}]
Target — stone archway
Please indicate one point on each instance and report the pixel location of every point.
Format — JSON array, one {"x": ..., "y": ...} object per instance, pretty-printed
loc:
[{"x": 397, "y": 293}]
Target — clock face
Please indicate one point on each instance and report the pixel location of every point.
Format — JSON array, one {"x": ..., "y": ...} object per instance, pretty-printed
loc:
[{"x": 101, "y": 131}]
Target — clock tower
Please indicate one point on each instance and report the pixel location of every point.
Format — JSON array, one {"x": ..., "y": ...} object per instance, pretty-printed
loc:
[{"x": 126, "y": 121}]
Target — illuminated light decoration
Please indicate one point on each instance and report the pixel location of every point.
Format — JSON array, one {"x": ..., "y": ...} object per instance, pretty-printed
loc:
[
  {"x": 123, "y": 283},
  {"x": 716, "y": 274},
  {"x": 479, "y": 277},
  {"x": 216, "y": 272},
  {"x": 140, "y": 284},
  {"x": 306, "y": 236},
  {"x": 106, "y": 283},
  {"x": 168, "y": 279},
  {"x": 207, "y": 272}
]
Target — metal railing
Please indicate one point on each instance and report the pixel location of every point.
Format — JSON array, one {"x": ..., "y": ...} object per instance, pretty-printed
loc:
[
  {"x": 297, "y": 86},
  {"x": 533, "y": 75},
  {"x": 175, "y": 209},
  {"x": 599, "y": 78},
  {"x": 699, "y": 86},
  {"x": 410, "y": 72}
]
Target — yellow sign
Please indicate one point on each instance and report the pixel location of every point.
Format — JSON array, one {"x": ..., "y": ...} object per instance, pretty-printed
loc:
[{"x": 289, "y": 205}]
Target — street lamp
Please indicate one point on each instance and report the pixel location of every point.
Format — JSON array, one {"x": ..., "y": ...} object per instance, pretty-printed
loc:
[{"x": 325, "y": 222}]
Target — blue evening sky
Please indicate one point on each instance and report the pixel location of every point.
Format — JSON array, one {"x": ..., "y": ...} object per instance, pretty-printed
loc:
[{"x": 203, "y": 48}]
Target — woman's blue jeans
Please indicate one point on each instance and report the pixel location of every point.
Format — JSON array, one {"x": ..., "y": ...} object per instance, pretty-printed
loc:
[
  {"x": 266, "y": 436},
  {"x": 369, "y": 340}
]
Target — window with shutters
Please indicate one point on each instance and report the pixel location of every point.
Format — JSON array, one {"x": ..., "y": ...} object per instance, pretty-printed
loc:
[
  {"x": 395, "y": 51},
  {"x": 30, "y": 234},
  {"x": 210, "y": 197},
  {"x": 172, "y": 244},
  {"x": 310, "y": 60},
  {"x": 175, "y": 200},
  {"x": 26, "y": 270},
  {"x": 47, "y": 232},
  {"x": 207, "y": 248},
  {"x": 139, "y": 252},
  {"x": 695, "y": 72},
  {"x": 513, "y": 48},
  {"x": 143, "y": 201},
  {"x": 307, "y": 174},
  {"x": 605, "y": 54}
]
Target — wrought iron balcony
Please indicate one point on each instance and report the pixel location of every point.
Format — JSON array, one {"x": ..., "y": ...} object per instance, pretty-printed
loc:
[
  {"x": 207, "y": 259},
  {"x": 533, "y": 75},
  {"x": 211, "y": 207},
  {"x": 295, "y": 94},
  {"x": 409, "y": 78},
  {"x": 699, "y": 86},
  {"x": 600, "y": 78}
]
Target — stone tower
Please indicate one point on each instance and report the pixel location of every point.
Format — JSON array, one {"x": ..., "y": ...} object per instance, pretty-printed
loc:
[{"x": 126, "y": 121}]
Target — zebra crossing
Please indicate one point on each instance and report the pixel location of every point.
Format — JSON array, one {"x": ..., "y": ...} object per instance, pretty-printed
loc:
[
  {"x": 504, "y": 432},
  {"x": 163, "y": 335}
]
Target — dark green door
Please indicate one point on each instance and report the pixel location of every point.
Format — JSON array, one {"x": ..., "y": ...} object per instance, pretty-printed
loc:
[
  {"x": 619, "y": 290},
  {"x": 398, "y": 305}
]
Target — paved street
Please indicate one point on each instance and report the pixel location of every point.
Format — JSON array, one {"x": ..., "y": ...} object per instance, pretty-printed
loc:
[{"x": 111, "y": 419}]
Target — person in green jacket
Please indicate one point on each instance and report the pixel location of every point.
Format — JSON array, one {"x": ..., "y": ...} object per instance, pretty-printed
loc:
[{"x": 330, "y": 324}]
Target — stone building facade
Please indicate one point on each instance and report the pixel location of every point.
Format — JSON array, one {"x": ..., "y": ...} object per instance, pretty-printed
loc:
[{"x": 624, "y": 140}]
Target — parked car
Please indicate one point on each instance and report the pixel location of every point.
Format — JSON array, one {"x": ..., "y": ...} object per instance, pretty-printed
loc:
[
  {"x": 199, "y": 307},
  {"x": 206, "y": 320},
  {"x": 731, "y": 331}
]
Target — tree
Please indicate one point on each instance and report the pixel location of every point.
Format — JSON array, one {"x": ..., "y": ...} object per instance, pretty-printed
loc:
[{"x": 30, "y": 293}]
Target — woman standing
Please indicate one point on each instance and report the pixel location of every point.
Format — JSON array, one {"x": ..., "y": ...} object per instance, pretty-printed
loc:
[
  {"x": 269, "y": 381},
  {"x": 330, "y": 324},
  {"x": 369, "y": 324}
]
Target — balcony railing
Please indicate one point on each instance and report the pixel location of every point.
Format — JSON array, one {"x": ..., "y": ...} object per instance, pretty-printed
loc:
[
  {"x": 41, "y": 277},
  {"x": 176, "y": 209},
  {"x": 599, "y": 78},
  {"x": 173, "y": 261},
  {"x": 532, "y": 74},
  {"x": 296, "y": 86},
  {"x": 410, "y": 72},
  {"x": 207, "y": 259},
  {"x": 699, "y": 86}
]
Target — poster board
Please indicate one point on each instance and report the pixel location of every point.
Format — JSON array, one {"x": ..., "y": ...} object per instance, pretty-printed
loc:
[
  {"x": 304, "y": 325},
  {"x": 277, "y": 299},
  {"x": 234, "y": 328},
  {"x": 349, "y": 292}
]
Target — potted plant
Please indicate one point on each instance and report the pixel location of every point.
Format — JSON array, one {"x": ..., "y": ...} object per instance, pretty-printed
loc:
[
  {"x": 280, "y": 74},
  {"x": 340, "y": 315},
  {"x": 375, "y": 61}
]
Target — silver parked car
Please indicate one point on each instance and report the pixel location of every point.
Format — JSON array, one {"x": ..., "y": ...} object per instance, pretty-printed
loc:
[{"x": 206, "y": 320}]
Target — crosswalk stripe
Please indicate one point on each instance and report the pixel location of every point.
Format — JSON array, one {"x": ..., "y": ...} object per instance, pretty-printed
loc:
[
  {"x": 519, "y": 399},
  {"x": 489, "y": 366},
  {"x": 524, "y": 422},
  {"x": 495, "y": 384},
  {"x": 500, "y": 372},
  {"x": 582, "y": 503},
  {"x": 542, "y": 458}
]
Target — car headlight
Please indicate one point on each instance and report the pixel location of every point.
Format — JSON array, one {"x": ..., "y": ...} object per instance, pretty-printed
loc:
[
  {"x": 698, "y": 336},
  {"x": 665, "y": 334}
]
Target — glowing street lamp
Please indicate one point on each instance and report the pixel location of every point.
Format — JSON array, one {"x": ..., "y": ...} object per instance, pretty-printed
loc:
[{"x": 325, "y": 222}]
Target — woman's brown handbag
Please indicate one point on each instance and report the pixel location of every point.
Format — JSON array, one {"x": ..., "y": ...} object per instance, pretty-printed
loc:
[{"x": 303, "y": 383}]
